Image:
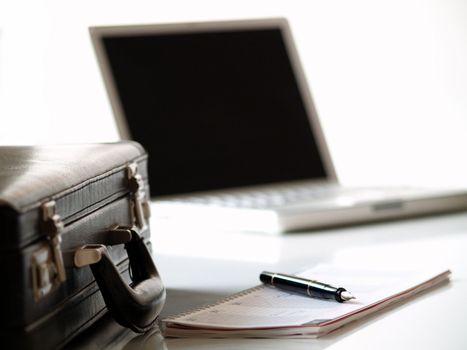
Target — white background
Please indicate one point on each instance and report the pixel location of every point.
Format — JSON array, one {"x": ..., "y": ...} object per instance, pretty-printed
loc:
[{"x": 389, "y": 78}]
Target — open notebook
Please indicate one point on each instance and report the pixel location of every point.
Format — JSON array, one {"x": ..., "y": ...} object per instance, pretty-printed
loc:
[{"x": 264, "y": 311}]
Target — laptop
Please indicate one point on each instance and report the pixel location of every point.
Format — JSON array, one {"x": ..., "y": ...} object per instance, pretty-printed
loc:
[{"x": 234, "y": 141}]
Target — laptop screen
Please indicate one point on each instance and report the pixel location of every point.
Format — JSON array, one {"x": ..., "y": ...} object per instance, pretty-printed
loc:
[{"x": 214, "y": 110}]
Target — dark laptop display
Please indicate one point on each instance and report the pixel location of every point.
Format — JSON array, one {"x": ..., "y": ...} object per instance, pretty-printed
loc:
[
  {"x": 214, "y": 110},
  {"x": 225, "y": 104}
]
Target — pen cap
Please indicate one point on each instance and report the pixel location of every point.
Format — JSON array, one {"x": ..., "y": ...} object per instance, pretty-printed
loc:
[{"x": 266, "y": 277}]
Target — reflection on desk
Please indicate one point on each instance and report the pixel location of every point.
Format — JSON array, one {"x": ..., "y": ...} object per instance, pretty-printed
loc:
[{"x": 436, "y": 319}]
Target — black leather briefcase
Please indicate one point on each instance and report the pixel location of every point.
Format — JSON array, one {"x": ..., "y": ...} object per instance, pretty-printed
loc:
[{"x": 74, "y": 238}]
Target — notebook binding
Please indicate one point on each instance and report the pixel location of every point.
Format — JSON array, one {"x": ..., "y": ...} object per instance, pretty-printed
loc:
[{"x": 219, "y": 302}]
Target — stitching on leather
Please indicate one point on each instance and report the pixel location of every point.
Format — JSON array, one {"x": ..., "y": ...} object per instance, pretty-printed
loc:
[{"x": 81, "y": 185}]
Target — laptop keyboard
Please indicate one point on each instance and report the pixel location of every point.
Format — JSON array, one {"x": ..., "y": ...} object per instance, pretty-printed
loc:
[{"x": 270, "y": 198}]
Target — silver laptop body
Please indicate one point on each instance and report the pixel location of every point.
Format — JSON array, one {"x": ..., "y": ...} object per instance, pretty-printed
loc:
[{"x": 226, "y": 115}]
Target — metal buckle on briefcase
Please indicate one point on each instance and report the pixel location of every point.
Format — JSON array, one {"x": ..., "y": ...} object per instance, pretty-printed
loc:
[
  {"x": 48, "y": 269},
  {"x": 141, "y": 209}
]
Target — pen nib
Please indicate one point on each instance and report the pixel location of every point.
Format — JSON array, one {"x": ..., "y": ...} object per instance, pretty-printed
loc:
[{"x": 346, "y": 296}]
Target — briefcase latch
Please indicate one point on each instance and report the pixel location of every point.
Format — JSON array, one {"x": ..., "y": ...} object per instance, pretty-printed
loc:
[
  {"x": 141, "y": 210},
  {"x": 48, "y": 269},
  {"x": 53, "y": 227}
]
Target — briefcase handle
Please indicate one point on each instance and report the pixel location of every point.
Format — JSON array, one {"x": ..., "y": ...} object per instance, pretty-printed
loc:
[{"x": 136, "y": 306}]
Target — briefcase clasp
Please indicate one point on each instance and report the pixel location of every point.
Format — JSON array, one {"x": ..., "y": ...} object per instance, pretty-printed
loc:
[
  {"x": 48, "y": 268},
  {"x": 141, "y": 209},
  {"x": 53, "y": 227}
]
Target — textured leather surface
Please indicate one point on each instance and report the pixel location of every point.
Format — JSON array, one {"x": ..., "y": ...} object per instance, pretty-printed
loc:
[
  {"x": 31, "y": 174},
  {"x": 69, "y": 319},
  {"x": 80, "y": 178}
]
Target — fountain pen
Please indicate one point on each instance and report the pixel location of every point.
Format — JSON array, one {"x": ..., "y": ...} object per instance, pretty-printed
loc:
[{"x": 305, "y": 287}]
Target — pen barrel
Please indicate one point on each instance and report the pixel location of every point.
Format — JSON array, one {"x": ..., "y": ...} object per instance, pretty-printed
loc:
[{"x": 302, "y": 286}]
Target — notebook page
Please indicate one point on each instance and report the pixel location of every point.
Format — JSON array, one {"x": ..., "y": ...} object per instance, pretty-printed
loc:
[{"x": 265, "y": 307}]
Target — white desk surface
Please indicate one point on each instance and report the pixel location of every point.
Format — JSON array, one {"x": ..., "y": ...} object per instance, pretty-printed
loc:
[{"x": 200, "y": 266}]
